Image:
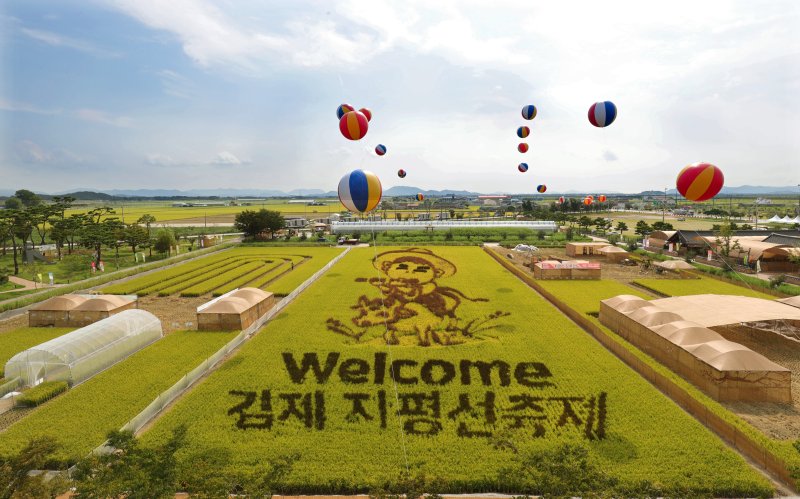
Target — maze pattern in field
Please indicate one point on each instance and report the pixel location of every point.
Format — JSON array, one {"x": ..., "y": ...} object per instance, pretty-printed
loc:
[
  {"x": 253, "y": 406},
  {"x": 227, "y": 270},
  {"x": 703, "y": 285}
]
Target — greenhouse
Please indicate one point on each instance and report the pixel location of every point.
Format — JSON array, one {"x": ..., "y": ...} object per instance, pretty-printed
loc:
[{"x": 79, "y": 355}]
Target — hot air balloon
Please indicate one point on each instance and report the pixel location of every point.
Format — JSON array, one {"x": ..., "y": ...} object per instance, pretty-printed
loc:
[
  {"x": 420, "y": 197},
  {"x": 602, "y": 198},
  {"x": 529, "y": 112},
  {"x": 700, "y": 181},
  {"x": 602, "y": 114},
  {"x": 523, "y": 167},
  {"x": 360, "y": 191},
  {"x": 380, "y": 149},
  {"x": 401, "y": 173},
  {"x": 561, "y": 200},
  {"x": 523, "y": 132},
  {"x": 588, "y": 201},
  {"x": 522, "y": 147},
  {"x": 590, "y": 197},
  {"x": 366, "y": 112},
  {"x": 353, "y": 125},
  {"x": 541, "y": 188},
  {"x": 344, "y": 109}
]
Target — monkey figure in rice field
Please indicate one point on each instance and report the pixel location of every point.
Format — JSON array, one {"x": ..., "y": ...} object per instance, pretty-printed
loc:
[{"x": 412, "y": 303}]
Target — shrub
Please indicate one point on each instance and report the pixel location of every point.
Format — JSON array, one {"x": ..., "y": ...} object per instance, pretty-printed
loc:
[
  {"x": 41, "y": 393},
  {"x": 3, "y": 275},
  {"x": 776, "y": 280}
]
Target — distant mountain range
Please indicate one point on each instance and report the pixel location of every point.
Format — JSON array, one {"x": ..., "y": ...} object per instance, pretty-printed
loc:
[{"x": 399, "y": 191}]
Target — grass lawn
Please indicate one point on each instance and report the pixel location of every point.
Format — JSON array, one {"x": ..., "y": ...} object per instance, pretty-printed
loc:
[{"x": 704, "y": 285}]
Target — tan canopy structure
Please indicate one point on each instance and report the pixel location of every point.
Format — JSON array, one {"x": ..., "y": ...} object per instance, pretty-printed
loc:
[
  {"x": 674, "y": 265},
  {"x": 658, "y": 239},
  {"x": 78, "y": 310},
  {"x": 584, "y": 249},
  {"x": 613, "y": 254},
  {"x": 793, "y": 301},
  {"x": 234, "y": 311},
  {"x": 678, "y": 336}
]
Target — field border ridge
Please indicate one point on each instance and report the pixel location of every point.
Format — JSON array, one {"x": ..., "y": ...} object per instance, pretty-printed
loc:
[{"x": 743, "y": 443}]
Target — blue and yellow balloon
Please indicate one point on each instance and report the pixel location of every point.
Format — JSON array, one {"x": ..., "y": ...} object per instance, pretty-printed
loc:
[{"x": 360, "y": 191}]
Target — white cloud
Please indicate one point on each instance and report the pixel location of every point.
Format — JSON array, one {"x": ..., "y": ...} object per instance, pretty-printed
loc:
[
  {"x": 160, "y": 160},
  {"x": 57, "y": 40},
  {"x": 23, "y": 107},
  {"x": 31, "y": 152},
  {"x": 609, "y": 155},
  {"x": 97, "y": 116},
  {"x": 228, "y": 158}
]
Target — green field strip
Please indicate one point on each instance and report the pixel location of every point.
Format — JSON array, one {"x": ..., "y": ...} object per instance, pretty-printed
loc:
[
  {"x": 703, "y": 285},
  {"x": 80, "y": 418},
  {"x": 267, "y": 269},
  {"x": 207, "y": 285},
  {"x": 13, "y": 342}
]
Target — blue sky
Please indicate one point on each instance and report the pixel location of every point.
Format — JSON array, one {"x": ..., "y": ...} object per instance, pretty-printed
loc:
[{"x": 189, "y": 94}]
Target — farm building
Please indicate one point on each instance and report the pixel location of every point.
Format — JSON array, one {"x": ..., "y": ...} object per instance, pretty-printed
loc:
[
  {"x": 78, "y": 310},
  {"x": 660, "y": 239},
  {"x": 234, "y": 311},
  {"x": 569, "y": 269},
  {"x": 584, "y": 249},
  {"x": 79, "y": 355},
  {"x": 678, "y": 332},
  {"x": 613, "y": 254}
]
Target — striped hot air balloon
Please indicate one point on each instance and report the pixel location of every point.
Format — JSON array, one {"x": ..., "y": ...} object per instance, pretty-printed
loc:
[
  {"x": 523, "y": 132},
  {"x": 344, "y": 109},
  {"x": 360, "y": 191},
  {"x": 353, "y": 125},
  {"x": 561, "y": 200},
  {"x": 401, "y": 173},
  {"x": 602, "y": 198},
  {"x": 700, "y": 181},
  {"x": 366, "y": 112},
  {"x": 529, "y": 112},
  {"x": 602, "y": 114},
  {"x": 420, "y": 197},
  {"x": 587, "y": 201},
  {"x": 522, "y": 147},
  {"x": 380, "y": 149},
  {"x": 523, "y": 167},
  {"x": 541, "y": 189}
]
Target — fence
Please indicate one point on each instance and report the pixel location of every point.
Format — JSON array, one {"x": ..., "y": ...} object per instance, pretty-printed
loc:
[
  {"x": 10, "y": 386},
  {"x": 392, "y": 225},
  {"x": 725, "y": 429},
  {"x": 172, "y": 393}
]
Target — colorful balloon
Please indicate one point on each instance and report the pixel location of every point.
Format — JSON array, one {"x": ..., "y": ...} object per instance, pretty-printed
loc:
[
  {"x": 588, "y": 201},
  {"x": 529, "y": 112},
  {"x": 523, "y": 132},
  {"x": 602, "y": 198},
  {"x": 541, "y": 188},
  {"x": 523, "y": 167},
  {"x": 602, "y": 114},
  {"x": 380, "y": 149},
  {"x": 700, "y": 181},
  {"x": 366, "y": 112},
  {"x": 561, "y": 200},
  {"x": 344, "y": 109},
  {"x": 420, "y": 197},
  {"x": 590, "y": 197},
  {"x": 401, "y": 173},
  {"x": 522, "y": 147},
  {"x": 360, "y": 191},
  {"x": 353, "y": 125}
]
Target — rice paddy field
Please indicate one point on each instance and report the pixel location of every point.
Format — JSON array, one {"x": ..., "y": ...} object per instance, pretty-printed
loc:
[
  {"x": 441, "y": 362},
  {"x": 17, "y": 340},
  {"x": 703, "y": 285}
]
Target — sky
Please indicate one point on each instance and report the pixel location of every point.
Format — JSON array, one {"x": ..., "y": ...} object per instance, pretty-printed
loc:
[{"x": 200, "y": 94}]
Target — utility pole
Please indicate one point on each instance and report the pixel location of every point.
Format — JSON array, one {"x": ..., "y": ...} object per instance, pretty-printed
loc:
[{"x": 664, "y": 206}]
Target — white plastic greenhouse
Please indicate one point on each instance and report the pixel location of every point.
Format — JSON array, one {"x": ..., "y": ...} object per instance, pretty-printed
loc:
[{"x": 79, "y": 355}]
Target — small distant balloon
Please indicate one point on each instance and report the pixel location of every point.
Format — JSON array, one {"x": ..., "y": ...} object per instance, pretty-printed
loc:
[
  {"x": 380, "y": 149},
  {"x": 360, "y": 191},
  {"x": 561, "y": 200},
  {"x": 523, "y": 167},
  {"x": 366, "y": 112},
  {"x": 602, "y": 114},
  {"x": 420, "y": 197},
  {"x": 353, "y": 125},
  {"x": 523, "y": 132},
  {"x": 401, "y": 173},
  {"x": 602, "y": 198},
  {"x": 590, "y": 197},
  {"x": 522, "y": 147},
  {"x": 344, "y": 109},
  {"x": 529, "y": 112},
  {"x": 588, "y": 201},
  {"x": 700, "y": 181},
  {"x": 541, "y": 188}
]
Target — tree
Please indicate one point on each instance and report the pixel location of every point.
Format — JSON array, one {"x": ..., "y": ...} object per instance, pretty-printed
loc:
[
  {"x": 724, "y": 240},
  {"x": 13, "y": 203},
  {"x": 98, "y": 231},
  {"x": 148, "y": 220},
  {"x": 642, "y": 228},
  {"x": 249, "y": 222},
  {"x": 662, "y": 226},
  {"x": 584, "y": 222},
  {"x": 59, "y": 228},
  {"x": 16, "y": 225},
  {"x": 622, "y": 227},
  {"x": 28, "y": 198},
  {"x": 164, "y": 241},
  {"x": 15, "y": 478},
  {"x": 40, "y": 216},
  {"x": 135, "y": 235}
]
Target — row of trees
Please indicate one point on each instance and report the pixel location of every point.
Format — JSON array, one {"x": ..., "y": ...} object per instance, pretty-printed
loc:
[
  {"x": 256, "y": 223},
  {"x": 26, "y": 218}
]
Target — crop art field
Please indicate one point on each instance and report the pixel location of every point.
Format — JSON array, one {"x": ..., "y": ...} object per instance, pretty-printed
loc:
[
  {"x": 273, "y": 269},
  {"x": 442, "y": 361}
]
